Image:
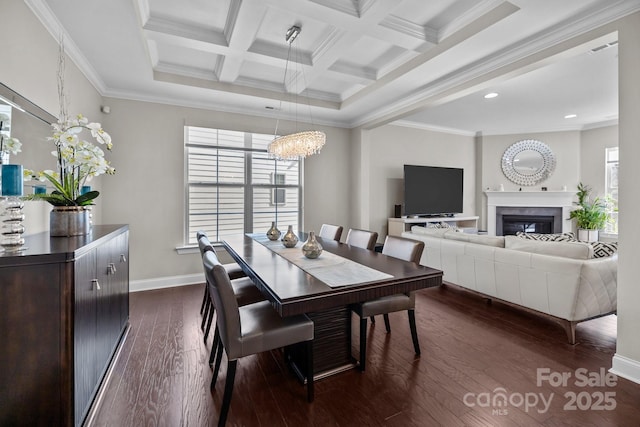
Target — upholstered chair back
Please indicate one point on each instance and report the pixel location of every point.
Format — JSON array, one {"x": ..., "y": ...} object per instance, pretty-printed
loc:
[
  {"x": 226, "y": 305},
  {"x": 331, "y": 232},
  {"x": 401, "y": 248},
  {"x": 362, "y": 238}
]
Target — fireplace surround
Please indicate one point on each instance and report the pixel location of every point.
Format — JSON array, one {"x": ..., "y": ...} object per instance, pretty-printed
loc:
[
  {"x": 510, "y": 220},
  {"x": 529, "y": 203}
]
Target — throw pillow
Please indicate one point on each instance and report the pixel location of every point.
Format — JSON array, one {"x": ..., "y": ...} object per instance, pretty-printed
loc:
[
  {"x": 551, "y": 237},
  {"x": 604, "y": 249},
  {"x": 576, "y": 250}
]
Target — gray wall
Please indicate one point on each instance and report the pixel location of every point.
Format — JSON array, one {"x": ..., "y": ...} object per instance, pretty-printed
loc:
[
  {"x": 148, "y": 190},
  {"x": 593, "y": 156},
  {"x": 357, "y": 169},
  {"x": 565, "y": 147},
  {"x": 389, "y": 148},
  {"x": 627, "y": 359}
]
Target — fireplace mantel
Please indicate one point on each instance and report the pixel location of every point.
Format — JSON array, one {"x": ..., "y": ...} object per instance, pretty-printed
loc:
[{"x": 563, "y": 199}]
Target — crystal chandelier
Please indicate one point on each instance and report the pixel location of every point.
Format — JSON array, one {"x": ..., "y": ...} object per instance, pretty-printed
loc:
[{"x": 299, "y": 144}]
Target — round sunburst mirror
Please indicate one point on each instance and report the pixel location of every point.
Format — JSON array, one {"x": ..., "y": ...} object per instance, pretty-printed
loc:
[{"x": 528, "y": 162}]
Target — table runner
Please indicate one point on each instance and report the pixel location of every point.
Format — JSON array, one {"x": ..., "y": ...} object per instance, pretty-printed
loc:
[{"x": 330, "y": 268}]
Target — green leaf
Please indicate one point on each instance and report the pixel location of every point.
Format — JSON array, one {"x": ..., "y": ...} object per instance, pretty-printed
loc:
[{"x": 87, "y": 198}]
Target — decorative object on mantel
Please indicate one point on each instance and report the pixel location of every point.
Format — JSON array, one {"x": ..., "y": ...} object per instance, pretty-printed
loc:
[
  {"x": 273, "y": 233},
  {"x": 12, "y": 217},
  {"x": 312, "y": 248},
  {"x": 78, "y": 161},
  {"x": 528, "y": 162},
  {"x": 591, "y": 214},
  {"x": 290, "y": 240},
  {"x": 299, "y": 144}
]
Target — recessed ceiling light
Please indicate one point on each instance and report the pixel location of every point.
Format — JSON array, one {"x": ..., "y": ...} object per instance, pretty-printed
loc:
[
  {"x": 490, "y": 95},
  {"x": 570, "y": 116}
]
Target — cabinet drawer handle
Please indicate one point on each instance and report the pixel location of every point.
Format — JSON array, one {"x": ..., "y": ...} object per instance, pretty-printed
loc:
[
  {"x": 123, "y": 258},
  {"x": 96, "y": 283},
  {"x": 112, "y": 268}
]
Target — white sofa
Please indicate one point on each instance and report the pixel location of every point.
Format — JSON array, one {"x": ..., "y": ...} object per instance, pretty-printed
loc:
[{"x": 559, "y": 279}]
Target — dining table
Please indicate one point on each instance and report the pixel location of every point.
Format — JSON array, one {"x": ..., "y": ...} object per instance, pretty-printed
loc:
[{"x": 324, "y": 289}]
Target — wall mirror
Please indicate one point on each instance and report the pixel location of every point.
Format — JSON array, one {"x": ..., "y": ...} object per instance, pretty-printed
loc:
[
  {"x": 31, "y": 125},
  {"x": 528, "y": 162}
]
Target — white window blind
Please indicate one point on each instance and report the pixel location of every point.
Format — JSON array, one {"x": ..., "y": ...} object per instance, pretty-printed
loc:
[{"x": 233, "y": 187}]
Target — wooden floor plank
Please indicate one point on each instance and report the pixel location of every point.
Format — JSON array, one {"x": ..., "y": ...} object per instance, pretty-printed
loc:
[{"x": 469, "y": 348}]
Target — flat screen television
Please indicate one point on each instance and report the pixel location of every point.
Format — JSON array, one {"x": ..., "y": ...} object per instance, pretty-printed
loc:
[{"x": 432, "y": 191}]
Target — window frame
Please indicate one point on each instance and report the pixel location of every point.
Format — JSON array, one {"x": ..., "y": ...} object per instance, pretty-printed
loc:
[
  {"x": 247, "y": 185},
  {"x": 610, "y": 194}
]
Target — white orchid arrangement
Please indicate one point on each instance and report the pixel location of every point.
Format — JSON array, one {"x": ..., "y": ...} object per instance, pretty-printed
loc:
[
  {"x": 7, "y": 143},
  {"x": 78, "y": 162}
]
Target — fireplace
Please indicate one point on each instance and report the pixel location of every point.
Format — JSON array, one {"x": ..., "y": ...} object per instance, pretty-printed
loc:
[
  {"x": 534, "y": 206},
  {"x": 545, "y": 220}
]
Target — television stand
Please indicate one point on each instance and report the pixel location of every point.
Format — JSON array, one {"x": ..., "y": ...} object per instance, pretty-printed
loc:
[{"x": 396, "y": 226}]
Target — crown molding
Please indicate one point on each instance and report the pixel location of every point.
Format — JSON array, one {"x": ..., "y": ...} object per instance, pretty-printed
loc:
[
  {"x": 432, "y": 128},
  {"x": 404, "y": 26},
  {"x": 589, "y": 29},
  {"x": 188, "y": 31},
  {"x": 213, "y": 106}
]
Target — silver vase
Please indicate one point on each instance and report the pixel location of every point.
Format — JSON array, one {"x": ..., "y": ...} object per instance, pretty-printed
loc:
[
  {"x": 273, "y": 233},
  {"x": 67, "y": 221},
  {"x": 312, "y": 248},
  {"x": 289, "y": 240}
]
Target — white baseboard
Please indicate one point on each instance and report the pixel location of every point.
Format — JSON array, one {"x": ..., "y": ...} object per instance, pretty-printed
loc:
[
  {"x": 626, "y": 368},
  {"x": 165, "y": 282}
]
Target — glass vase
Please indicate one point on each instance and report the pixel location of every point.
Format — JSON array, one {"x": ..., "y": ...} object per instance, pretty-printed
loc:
[
  {"x": 12, "y": 229},
  {"x": 289, "y": 240},
  {"x": 273, "y": 233},
  {"x": 312, "y": 248}
]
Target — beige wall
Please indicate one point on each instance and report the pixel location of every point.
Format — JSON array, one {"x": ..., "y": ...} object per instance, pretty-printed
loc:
[
  {"x": 388, "y": 148},
  {"x": 32, "y": 72},
  {"x": 627, "y": 359},
  {"x": 354, "y": 182},
  {"x": 592, "y": 156},
  {"x": 565, "y": 147},
  {"x": 148, "y": 190}
]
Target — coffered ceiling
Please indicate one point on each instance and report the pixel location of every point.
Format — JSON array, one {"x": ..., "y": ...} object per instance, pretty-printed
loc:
[{"x": 355, "y": 62}]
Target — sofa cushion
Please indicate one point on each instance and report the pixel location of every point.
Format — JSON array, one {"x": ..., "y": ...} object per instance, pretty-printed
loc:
[
  {"x": 454, "y": 235},
  {"x": 495, "y": 241},
  {"x": 604, "y": 249},
  {"x": 576, "y": 250},
  {"x": 551, "y": 237}
]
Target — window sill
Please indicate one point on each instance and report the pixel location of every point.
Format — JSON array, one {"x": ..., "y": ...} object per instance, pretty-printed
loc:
[
  {"x": 193, "y": 249},
  {"x": 608, "y": 237},
  {"x": 185, "y": 250}
]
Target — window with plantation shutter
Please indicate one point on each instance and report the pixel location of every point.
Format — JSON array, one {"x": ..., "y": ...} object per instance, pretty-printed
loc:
[{"x": 234, "y": 187}]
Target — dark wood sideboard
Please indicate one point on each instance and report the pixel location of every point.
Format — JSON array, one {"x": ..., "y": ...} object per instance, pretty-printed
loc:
[{"x": 64, "y": 310}]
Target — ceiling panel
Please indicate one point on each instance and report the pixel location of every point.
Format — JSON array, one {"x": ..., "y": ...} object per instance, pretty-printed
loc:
[{"x": 366, "y": 62}]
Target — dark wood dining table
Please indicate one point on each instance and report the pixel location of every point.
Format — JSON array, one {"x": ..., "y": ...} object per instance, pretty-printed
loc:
[{"x": 292, "y": 291}]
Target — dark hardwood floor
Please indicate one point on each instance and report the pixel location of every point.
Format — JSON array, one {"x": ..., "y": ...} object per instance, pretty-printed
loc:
[{"x": 472, "y": 354}]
